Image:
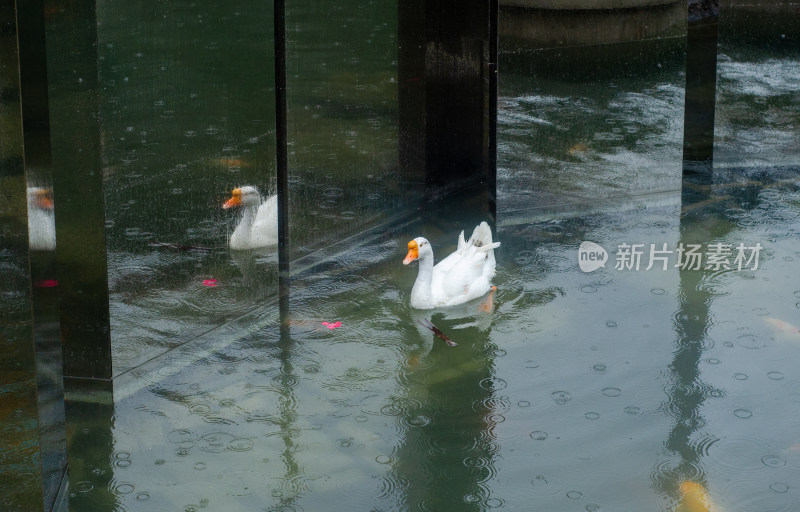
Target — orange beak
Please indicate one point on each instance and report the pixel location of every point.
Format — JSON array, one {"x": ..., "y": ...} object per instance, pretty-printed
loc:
[
  {"x": 235, "y": 200},
  {"x": 413, "y": 252},
  {"x": 45, "y": 201}
]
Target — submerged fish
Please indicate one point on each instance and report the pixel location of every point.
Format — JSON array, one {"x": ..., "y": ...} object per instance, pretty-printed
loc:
[
  {"x": 695, "y": 498},
  {"x": 784, "y": 328},
  {"x": 578, "y": 148}
]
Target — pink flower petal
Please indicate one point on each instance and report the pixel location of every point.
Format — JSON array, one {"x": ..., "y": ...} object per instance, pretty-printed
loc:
[
  {"x": 210, "y": 282},
  {"x": 324, "y": 323}
]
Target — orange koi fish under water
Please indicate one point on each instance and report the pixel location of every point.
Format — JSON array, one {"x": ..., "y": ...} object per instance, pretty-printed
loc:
[
  {"x": 784, "y": 329},
  {"x": 695, "y": 499}
]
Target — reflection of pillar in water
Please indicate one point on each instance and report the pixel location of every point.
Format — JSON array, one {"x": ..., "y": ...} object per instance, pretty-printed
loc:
[
  {"x": 447, "y": 417},
  {"x": 687, "y": 392}
]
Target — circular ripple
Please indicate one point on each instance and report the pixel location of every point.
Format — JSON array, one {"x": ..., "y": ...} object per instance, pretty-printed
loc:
[
  {"x": 773, "y": 461},
  {"x": 775, "y": 375},
  {"x": 599, "y": 368},
  {"x": 417, "y": 421},
  {"x": 142, "y": 496},
  {"x": 658, "y": 291},
  {"x": 180, "y": 436},
  {"x": 749, "y": 341},
  {"x": 591, "y": 415},
  {"x": 612, "y": 392},
  {"x": 83, "y": 486},
  {"x": 739, "y": 454},
  {"x": 493, "y": 384},
  {"x": 384, "y": 459},
  {"x": 401, "y": 406},
  {"x": 451, "y": 442},
  {"x": 561, "y": 397},
  {"x": 123, "y": 488},
  {"x": 743, "y": 413},
  {"x": 574, "y": 495},
  {"x": 240, "y": 444},
  {"x": 539, "y": 435},
  {"x": 543, "y": 485},
  {"x": 740, "y": 376},
  {"x": 632, "y": 409},
  {"x": 492, "y": 403},
  {"x": 200, "y": 409},
  {"x": 779, "y": 487},
  {"x": 122, "y": 463},
  {"x": 494, "y": 503},
  {"x": 392, "y": 485},
  {"x": 216, "y": 442},
  {"x": 168, "y": 371}
]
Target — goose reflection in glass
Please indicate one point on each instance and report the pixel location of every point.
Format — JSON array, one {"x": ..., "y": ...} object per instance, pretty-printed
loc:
[{"x": 258, "y": 225}]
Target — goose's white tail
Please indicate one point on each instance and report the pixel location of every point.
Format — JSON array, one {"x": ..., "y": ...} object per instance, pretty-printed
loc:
[{"x": 482, "y": 238}]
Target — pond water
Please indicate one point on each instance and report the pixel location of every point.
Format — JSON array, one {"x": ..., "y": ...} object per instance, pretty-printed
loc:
[
  {"x": 578, "y": 391},
  {"x": 601, "y": 390}
]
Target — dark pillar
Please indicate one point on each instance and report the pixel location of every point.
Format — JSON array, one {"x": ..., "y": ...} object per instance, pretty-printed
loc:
[
  {"x": 282, "y": 161},
  {"x": 33, "y": 458},
  {"x": 78, "y": 186},
  {"x": 447, "y": 93},
  {"x": 701, "y": 81}
]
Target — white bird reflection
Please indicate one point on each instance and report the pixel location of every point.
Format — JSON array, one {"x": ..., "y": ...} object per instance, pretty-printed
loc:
[{"x": 41, "y": 219}]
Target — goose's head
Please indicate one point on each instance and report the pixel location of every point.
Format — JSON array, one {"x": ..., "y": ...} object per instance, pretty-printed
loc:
[
  {"x": 243, "y": 196},
  {"x": 40, "y": 198},
  {"x": 417, "y": 248}
]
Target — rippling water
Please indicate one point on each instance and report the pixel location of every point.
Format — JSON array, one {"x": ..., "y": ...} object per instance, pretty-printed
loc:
[{"x": 579, "y": 391}]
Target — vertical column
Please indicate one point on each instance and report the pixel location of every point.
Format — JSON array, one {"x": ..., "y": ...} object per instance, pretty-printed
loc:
[
  {"x": 446, "y": 64},
  {"x": 282, "y": 159},
  {"x": 33, "y": 460},
  {"x": 701, "y": 81},
  {"x": 78, "y": 187}
]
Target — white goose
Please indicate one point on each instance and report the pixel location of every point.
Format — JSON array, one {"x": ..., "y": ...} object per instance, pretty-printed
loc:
[
  {"x": 464, "y": 275},
  {"x": 258, "y": 226}
]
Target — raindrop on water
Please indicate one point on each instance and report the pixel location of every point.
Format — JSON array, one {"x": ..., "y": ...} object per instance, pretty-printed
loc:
[
  {"x": 773, "y": 461},
  {"x": 779, "y": 487},
  {"x": 561, "y": 397}
]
